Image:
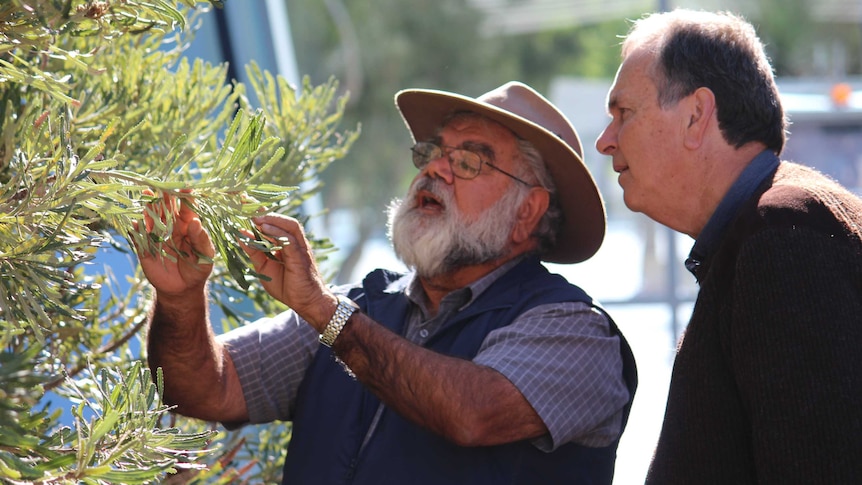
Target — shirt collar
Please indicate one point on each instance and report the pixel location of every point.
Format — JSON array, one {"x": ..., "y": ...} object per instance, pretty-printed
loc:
[
  {"x": 760, "y": 168},
  {"x": 416, "y": 293}
]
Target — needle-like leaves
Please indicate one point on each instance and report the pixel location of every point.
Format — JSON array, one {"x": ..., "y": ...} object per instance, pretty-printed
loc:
[{"x": 96, "y": 112}]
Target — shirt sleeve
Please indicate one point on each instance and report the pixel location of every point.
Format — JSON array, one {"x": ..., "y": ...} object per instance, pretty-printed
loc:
[
  {"x": 566, "y": 362},
  {"x": 271, "y": 356}
]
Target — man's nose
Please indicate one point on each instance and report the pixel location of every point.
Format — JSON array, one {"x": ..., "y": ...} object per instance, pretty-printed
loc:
[
  {"x": 606, "y": 143},
  {"x": 441, "y": 168}
]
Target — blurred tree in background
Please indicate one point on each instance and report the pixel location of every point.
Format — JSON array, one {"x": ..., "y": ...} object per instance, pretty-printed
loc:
[{"x": 100, "y": 109}]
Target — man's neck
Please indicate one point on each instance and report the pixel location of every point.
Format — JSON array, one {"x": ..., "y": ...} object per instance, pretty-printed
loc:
[
  {"x": 437, "y": 287},
  {"x": 721, "y": 169}
]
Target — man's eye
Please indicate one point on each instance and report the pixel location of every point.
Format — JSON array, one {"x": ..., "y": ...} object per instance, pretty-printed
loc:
[
  {"x": 465, "y": 166},
  {"x": 428, "y": 151}
]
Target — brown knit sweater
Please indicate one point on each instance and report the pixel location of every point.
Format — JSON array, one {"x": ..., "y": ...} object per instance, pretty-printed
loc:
[{"x": 767, "y": 382}]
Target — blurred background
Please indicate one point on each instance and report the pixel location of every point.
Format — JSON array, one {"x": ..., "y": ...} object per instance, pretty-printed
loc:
[{"x": 568, "y": 50}]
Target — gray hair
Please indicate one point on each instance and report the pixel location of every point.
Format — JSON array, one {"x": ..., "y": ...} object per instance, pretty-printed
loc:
[{"x": 534, "y": 169}]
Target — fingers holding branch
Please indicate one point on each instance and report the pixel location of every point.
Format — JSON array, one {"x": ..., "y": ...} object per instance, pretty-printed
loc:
[
  {"x": 288, "y": 266},
  {"x": 182, "y": 258}
]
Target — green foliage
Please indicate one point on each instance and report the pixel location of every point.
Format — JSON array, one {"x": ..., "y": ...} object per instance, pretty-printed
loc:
[
  {"x": 116, "y": 437},
  {"x": 102, "y": 117},
  {"x": 254, "y": 456}
]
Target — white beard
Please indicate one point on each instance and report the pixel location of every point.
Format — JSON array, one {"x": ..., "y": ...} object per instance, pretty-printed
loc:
[{"x": 436, "y": 244}]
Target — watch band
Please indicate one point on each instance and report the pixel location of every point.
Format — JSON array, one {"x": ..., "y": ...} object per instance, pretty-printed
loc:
[{"x": 339, "y": 319}]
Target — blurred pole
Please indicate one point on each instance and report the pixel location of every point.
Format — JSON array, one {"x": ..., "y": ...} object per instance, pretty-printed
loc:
[
  {"x": 672, "y": 261},
  {"x": 673, "y": 287},
  {"x": 224, "y": 39},
  {"x": 285, "y": 58},
  {"x": 285, "y": 54}
]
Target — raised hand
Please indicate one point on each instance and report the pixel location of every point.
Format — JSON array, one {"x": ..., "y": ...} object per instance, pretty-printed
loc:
[
  {"x": 294, "y": 278},
  {"x": 189, "y": 248}
]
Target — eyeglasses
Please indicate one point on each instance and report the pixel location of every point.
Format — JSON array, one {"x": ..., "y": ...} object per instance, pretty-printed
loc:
[{"x": 464, "y": 163}]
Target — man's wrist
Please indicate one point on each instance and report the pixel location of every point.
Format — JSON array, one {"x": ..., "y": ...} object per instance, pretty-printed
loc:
[{"x": 343, "y": 311}]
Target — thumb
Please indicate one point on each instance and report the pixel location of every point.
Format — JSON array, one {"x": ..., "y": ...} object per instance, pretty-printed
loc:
[{"x": 199, "y": 239}]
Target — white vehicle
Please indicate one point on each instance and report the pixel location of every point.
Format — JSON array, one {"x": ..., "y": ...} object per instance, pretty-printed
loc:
[{"x": 826, "y": 127}]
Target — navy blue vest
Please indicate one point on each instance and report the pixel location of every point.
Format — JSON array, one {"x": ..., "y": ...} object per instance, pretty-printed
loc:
[{"x": 334, "y": 412}]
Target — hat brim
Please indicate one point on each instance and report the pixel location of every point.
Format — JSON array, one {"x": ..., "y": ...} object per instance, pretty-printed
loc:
[{"x": 583, "y": 228}]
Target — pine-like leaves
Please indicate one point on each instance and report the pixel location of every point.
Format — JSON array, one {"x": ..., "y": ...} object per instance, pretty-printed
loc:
[{"x": 96, "y": 113}]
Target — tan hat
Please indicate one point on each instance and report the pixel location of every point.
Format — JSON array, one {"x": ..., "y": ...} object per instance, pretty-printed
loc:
[{"x": 532, "y": 117}]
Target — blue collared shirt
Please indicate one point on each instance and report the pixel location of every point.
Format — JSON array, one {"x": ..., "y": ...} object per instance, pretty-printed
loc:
[{"x": 763, "y": 166}]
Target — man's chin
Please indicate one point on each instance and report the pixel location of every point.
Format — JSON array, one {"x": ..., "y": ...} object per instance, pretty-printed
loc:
[{"x": 426, "y": 219}]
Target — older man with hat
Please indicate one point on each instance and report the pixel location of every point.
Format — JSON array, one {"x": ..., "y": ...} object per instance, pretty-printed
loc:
[{"x": 477, "y": 366}]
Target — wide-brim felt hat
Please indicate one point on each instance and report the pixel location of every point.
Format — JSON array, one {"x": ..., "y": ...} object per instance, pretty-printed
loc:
[{"x": 531, "y": 117}]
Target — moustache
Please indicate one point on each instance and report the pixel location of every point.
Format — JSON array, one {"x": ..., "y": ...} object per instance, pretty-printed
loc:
[{"x": 435, "y": 187}]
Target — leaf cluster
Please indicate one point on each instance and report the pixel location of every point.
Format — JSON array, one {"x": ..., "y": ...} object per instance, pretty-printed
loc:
[
  {"x": 100, "y": 117},
  {"x": 116, "y": 437}
]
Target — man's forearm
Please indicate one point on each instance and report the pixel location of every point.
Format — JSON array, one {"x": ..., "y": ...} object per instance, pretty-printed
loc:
[
  {"x": 469, "y": 404},
  {"x": 199, "y": 376}
]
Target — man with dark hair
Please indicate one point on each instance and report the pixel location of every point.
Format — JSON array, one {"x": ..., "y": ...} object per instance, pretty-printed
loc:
[
  {"x": 766, "y": 385},
  {"x": 477, "y": 367}
]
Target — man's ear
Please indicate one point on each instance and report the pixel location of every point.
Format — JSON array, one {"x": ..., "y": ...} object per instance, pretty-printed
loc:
[
  {"x": 701, "y": 115},
  {"x": 529, "y": 214}
]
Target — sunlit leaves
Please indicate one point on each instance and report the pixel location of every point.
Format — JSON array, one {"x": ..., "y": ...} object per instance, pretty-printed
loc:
[
  {"x": 116, "y": 436},
  {"x": 96, "y": 112}
]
